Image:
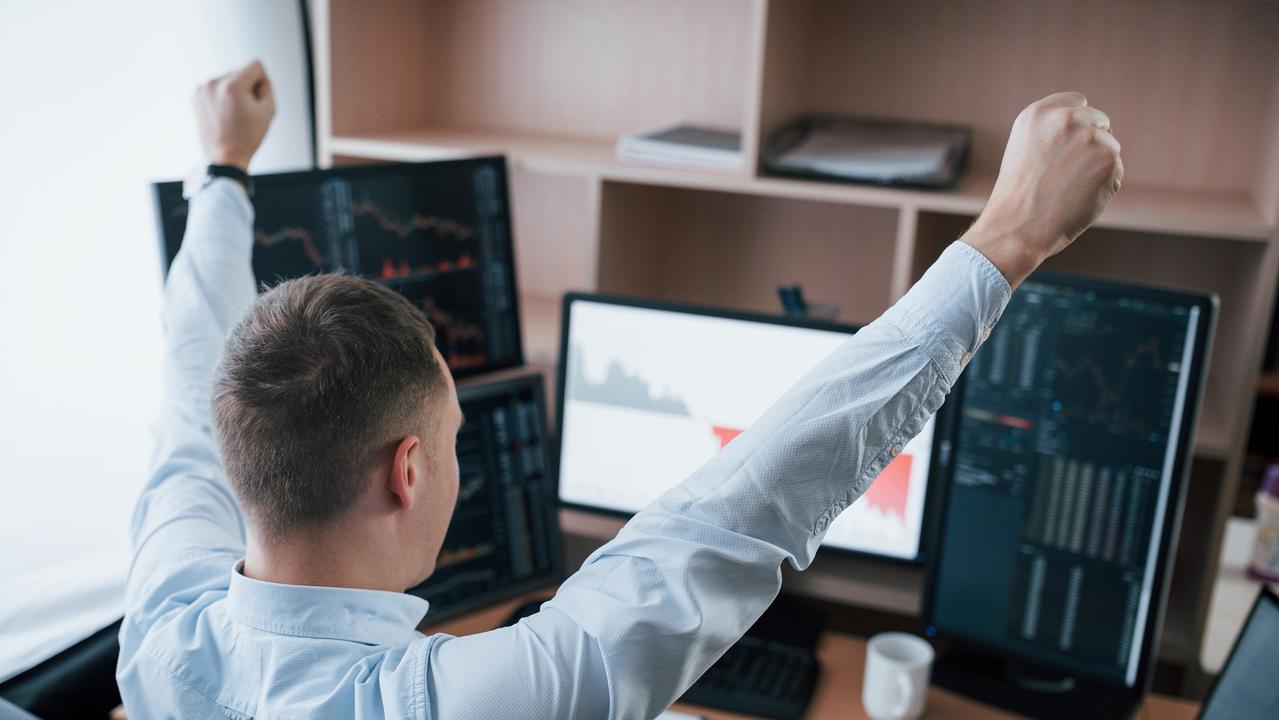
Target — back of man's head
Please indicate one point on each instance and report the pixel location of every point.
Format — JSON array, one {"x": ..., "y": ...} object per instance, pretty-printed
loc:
[{"x": 324, "y": 375}]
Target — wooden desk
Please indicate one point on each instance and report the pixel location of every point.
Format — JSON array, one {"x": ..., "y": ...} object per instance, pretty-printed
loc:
[{"x": 839, "y": 691}]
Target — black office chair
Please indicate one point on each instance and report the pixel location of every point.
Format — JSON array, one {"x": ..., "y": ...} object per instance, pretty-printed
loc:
[{"x": 78, "y": 682}]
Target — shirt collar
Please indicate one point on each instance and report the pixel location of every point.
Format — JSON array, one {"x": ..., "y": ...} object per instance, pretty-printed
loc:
[{"x": 373, "y": 617}]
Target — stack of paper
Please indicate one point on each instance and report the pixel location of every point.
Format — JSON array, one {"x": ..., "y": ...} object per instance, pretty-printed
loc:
[
  {"x": 870, "y": 155},
  {"x": 687, "y": 147},
  {"x": 873, "y": 151}
]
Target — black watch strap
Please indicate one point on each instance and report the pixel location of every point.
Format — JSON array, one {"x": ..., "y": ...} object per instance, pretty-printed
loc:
[{"x": 233, "y": 172}]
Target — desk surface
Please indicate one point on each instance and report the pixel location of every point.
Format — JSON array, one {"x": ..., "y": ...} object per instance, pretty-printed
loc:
[{"x": 839, "y": 690}]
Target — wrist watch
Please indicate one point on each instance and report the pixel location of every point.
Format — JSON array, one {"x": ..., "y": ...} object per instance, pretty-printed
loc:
[{"x": 199, "y": 179}]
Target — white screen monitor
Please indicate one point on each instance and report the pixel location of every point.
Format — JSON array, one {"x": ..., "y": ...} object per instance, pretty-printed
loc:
[{"x": 649, "y": 392}]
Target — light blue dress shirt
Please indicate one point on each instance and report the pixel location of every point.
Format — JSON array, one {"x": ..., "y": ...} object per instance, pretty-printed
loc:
[{"x": 623, "y": 637}]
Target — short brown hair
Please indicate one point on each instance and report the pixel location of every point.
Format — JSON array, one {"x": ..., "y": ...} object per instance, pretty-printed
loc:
[{"x": 321, "y": 376}]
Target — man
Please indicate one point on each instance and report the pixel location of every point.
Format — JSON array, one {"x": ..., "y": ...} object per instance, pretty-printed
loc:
[{"x": 333, "y": 424}]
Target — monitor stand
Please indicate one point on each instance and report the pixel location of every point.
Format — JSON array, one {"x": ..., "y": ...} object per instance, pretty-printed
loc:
[
  {"x": 1029, "y": 688},
  {"x": 1038, "y": 679}
]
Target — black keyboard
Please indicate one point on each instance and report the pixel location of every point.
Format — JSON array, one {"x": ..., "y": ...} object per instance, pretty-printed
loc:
[
  {"x": 759, "y": 677},
  {"x": 770, "y": 672}
]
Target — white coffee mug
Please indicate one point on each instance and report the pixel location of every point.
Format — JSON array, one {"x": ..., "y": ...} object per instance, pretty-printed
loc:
[{"x": 896, "y": 682}]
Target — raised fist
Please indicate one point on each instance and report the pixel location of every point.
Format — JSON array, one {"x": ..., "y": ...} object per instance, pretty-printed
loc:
[
  {"x": 1060, "y": 170},
  {"x": 234, "y": 112}
]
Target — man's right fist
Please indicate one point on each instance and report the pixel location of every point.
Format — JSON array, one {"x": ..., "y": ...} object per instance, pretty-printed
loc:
[
  {"x": 1060, "y": 170},
  {"x": 234, "y": 112}
]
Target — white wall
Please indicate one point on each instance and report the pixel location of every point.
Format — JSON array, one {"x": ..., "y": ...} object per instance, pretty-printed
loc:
[{"x": 95, "y": 104}]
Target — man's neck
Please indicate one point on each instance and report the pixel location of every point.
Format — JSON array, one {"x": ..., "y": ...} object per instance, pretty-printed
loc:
[{"x": 329, "y": 559}]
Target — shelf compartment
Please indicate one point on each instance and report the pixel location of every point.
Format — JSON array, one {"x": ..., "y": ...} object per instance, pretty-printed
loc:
[
  {"x": 1190, "y": 87},
  {"x": 554, "y": 225},
  {"x": 583, "y": 68},
  {"x": 731, "y": 250}
]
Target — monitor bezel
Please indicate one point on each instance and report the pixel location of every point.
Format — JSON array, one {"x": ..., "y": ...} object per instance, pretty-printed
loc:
[
  {"x": 162, "y": 191},
  {"x": 939, "y": 457},
  {"x": 481, "y": 390},
  {"x": 1208, "y": 306}
]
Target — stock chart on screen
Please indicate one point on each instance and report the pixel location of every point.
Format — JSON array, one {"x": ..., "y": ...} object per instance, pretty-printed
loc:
[
  {"x": 651, "y": 393},
  {"x": 438, "y": 233},
  {"x": 1068, "y": 455}
]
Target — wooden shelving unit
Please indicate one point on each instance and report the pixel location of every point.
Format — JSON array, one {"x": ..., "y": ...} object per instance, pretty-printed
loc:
[{"x": 1192, "y": 89}]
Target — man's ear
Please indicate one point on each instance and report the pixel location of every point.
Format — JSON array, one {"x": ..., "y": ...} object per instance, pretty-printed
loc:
[{"x": 403, "y": 479}]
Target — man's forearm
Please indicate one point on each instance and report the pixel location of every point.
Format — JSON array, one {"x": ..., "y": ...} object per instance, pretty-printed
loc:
[
  {"x": 209, "y": 287},
  {"x": 210, "y": 284}
]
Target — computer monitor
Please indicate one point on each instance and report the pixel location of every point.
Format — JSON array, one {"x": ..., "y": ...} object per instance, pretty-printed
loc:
[
  {"x": 504, "y": 538},
  {"x": 650, "y": 391},
  {"x": 1075, "y": 432},
  {"x": 438, "y": 233}
]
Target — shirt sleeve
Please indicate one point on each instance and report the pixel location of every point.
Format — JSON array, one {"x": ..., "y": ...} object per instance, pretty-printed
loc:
[
  {"x": 651, "y": 610},
  {"x": 187, "y": 529}
]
